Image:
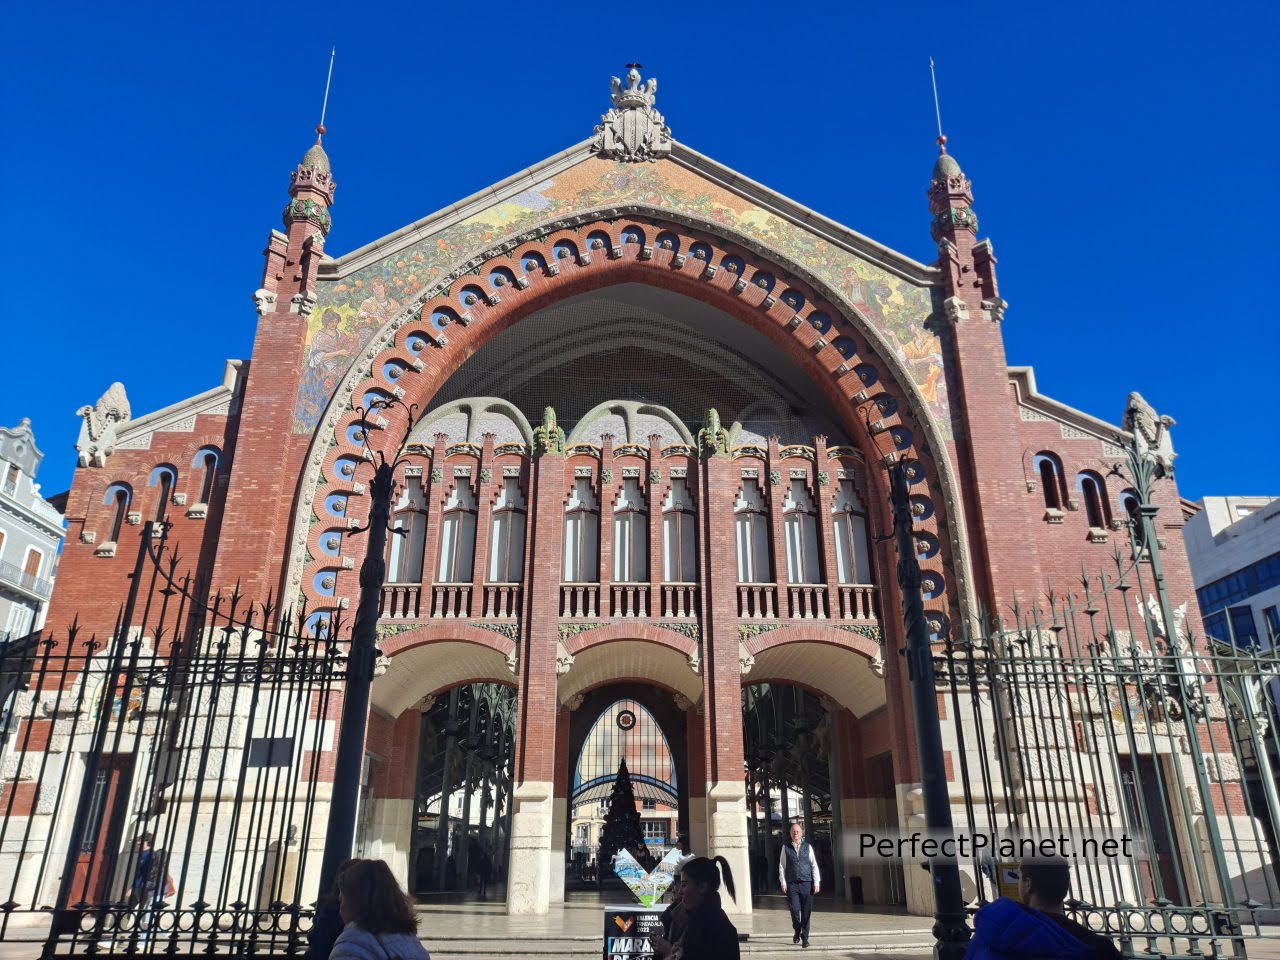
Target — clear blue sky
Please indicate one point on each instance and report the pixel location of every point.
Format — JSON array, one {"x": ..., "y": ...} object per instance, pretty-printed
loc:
[{"x": 1124, "y": 160}]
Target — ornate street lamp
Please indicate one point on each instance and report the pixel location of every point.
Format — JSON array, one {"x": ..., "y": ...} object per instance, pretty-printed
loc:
[{"x": 349, "y": 762}]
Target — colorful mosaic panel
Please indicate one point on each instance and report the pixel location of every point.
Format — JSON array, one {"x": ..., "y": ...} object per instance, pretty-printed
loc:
[{"x": 352, "y": 309}]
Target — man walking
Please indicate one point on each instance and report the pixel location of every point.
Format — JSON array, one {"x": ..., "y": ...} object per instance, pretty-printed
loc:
[{"x": 798, "y": 874}]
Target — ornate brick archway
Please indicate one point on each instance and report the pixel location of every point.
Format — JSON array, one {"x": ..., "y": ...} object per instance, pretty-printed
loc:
[
  {"x": 845, "y": 664},
  {"x": 868, "y": 388},
  {"x": 431, "y": 657}
]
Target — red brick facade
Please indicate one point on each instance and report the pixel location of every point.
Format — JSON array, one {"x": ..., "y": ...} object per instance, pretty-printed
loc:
[{"x": 981, "y": 519}]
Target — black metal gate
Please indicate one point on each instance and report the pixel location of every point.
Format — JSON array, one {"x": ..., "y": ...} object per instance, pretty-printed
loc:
[
  {"x": 160, "y": 787},
  {"x": 1100, "y": 715}
]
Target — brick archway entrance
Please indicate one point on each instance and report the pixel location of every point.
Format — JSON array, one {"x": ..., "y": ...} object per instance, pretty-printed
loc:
[
  {"x": 649, "y": 727},
  {"x": 711, "y": 611}
]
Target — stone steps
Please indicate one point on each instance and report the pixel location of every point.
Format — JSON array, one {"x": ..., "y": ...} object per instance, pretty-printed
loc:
[{"x": 902, "y": 944}]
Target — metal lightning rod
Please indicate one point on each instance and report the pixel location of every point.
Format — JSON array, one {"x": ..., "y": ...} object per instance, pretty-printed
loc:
[
  {"x": 324, "y": 107},
  {"x": 937, "y": 110}
]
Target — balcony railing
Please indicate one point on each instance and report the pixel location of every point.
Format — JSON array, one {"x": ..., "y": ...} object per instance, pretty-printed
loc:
[
  {"x": 858, "y": 601},
  {"x": 401, "y": 601},
  {"x": 757, "y": 601},
  {"x": 501, "y": 601},
  {"x": 450, "y": 600},
  {"x": 579, "y": 601},
  {"x": 807, "y": 601},
  {"x": 679, "y": 600},
  {"x": 629, "y": 599},
  {"x": 13, "y": 574}
]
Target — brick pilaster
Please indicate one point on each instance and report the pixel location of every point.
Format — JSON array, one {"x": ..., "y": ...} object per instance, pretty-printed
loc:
[{"x": 608, "y": 494}]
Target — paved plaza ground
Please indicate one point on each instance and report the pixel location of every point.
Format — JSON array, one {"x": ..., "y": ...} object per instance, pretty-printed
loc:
[
  {"x": 458, "y": 930},
  {"x": 480, "y": 931}
]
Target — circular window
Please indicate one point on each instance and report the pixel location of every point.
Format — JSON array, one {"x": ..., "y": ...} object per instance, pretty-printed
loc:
[{"x": 626, "y": 720}]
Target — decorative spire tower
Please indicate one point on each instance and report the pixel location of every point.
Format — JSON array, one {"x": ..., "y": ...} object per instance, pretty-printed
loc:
[
  {"x": 969, "y": 263},
  {"x": 257, "y": 512},
  {"x": 293, "y": 257},
  {"x": 311, "y": 189},
  {"x": 972, "y": 312}
]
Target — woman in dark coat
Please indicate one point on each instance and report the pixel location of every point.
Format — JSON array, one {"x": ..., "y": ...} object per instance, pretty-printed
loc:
[{"x": 708, "y": 934}]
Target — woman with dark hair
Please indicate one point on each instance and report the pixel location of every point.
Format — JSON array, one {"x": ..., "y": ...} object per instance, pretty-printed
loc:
[
  {"x": 708, "y": 934},
  {"x": 673, "y": 920},
  {"x": 379, "y": 917}
]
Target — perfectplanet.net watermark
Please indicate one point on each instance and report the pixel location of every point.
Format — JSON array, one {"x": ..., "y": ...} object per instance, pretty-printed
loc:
[{"x": 895, "y": 847}]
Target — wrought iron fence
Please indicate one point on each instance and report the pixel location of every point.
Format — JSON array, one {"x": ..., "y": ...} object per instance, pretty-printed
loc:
[
  {"x": 163, "y": 789},
  {"x": 1100, "y": 715}
]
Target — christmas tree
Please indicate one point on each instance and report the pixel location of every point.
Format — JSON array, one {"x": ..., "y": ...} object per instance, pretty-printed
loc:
[{"x": 621, "y": 830}]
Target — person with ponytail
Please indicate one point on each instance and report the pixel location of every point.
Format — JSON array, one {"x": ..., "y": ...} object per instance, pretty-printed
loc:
[{"x": 708, "y": 934}]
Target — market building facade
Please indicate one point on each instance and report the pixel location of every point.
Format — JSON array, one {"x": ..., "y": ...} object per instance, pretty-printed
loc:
[{"x": 641, "y": 410}]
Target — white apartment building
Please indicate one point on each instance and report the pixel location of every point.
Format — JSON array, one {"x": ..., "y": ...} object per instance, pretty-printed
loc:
[{"x": 31, "y": 533}]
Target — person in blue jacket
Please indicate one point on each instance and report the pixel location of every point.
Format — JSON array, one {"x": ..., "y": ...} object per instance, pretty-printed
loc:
[{"x": 1038, "y": 927}]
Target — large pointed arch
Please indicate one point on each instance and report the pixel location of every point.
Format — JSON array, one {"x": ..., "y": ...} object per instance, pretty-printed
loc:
[{"x": 868, "y": 387}]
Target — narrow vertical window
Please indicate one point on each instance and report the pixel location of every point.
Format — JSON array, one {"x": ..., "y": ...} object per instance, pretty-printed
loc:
[
  {"x": 679, "y": 554},
  {"x": 506, "y": 541},
  {"x": 1052, "y": 486},
  {"x": 206, "y": 464},
  {"x": 582, "y": 534},
  {"x": 800, "y": 525},
  {"x": 630, "y": 534},
  {"x": 1093, "y": 493},
  {"x": 31, "y": 569},
  {"x": 11, "y": 479},
  {"x": 409, "y": 541},
  {"x": 849, "y": 527},
  {"x": 164, "y": 478},
  {"x": 458, "y": 535},
  {"x": 117, "y": 498},
  {"x": 751, "y": 527}
]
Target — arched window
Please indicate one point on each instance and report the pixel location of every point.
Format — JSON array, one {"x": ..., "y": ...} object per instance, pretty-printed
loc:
[
  {"x": 118, "y": 498},
  {"x": 410, "y": 523},
  {"x": 849, "y": 526},
  {"x": 1052, "y": 483},
  {"x": 582, "y": 534},
  {"x": 799, "y": 517},
  {"x": 1093, "y": 492},
  {"x": 630, "y": 534},
  {"x": 206, "y": 463},
  {"x": 679, "y": 552},
  {"x": 458, "y": 535},
  {"x": 624, "y": 732},
  {"x": 506, "y": 541},
  {"x": 166, "y": 478},
  {"x": 1129, "y": 504},
  {"x": 751, "y": 526}
]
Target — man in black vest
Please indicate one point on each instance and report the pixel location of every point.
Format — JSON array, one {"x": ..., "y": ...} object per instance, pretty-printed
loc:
[{"x": 800, "y": 879}]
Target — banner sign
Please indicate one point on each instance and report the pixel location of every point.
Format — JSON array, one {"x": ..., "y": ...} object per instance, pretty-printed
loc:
[
  {"x": 648, "y": 888},
  {"x": 626, "y": 932}
]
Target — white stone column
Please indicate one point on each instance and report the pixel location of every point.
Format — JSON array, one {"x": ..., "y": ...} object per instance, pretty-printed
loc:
[
  {"x": 727, "y": 837},
  {"x": 529, "y": 875}
]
